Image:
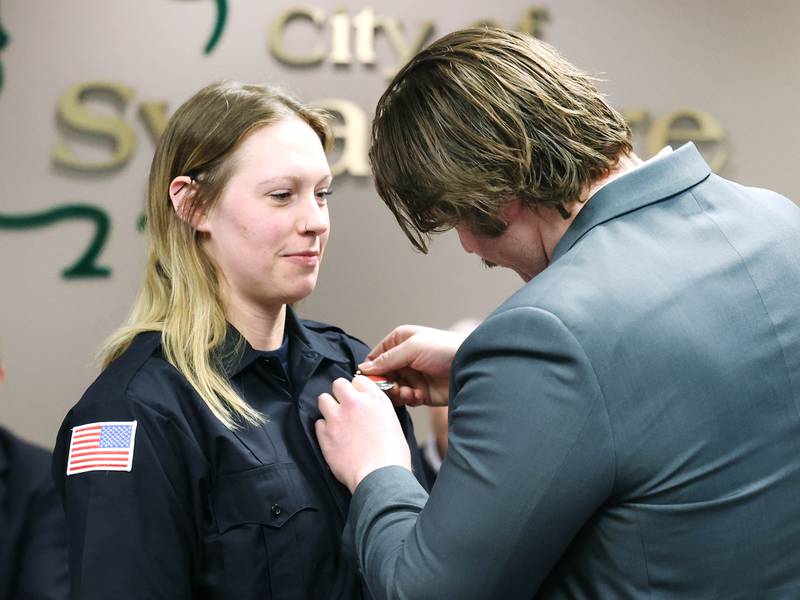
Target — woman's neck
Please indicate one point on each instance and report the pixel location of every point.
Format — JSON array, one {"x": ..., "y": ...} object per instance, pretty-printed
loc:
[{"x": 263, "y": 328}]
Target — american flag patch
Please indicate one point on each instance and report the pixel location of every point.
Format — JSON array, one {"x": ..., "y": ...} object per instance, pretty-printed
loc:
[{"x": 102, "y": 447}]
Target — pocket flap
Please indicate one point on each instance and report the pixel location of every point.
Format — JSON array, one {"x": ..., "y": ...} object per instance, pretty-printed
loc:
[{"x": 268, "y": 495}]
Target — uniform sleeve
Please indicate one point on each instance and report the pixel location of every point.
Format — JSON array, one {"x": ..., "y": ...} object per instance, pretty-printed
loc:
[
  {"x": 132, "y": 534},
  {"x": 43, "y": 563},
  {"x": 530, "y": 458}
]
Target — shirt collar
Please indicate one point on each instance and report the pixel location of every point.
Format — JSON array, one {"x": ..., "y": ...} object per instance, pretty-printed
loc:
[
  {"x": 238, "y": 354},
  {"x": 665, "y": 151},
  {"x": 649, "y": 183}
]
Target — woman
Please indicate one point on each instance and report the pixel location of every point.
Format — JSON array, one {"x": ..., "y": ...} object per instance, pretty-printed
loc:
[{"x": 190, "y": 468}]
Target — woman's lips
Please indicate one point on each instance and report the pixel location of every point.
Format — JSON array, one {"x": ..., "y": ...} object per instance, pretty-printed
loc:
[{"x": 306, "y": 259}]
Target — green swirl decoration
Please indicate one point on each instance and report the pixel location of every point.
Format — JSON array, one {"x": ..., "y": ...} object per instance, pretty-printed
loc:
[
  {"x": 86, "y": 266},
  {"x": 3, "y": 44},
  {"x": 222, "y": 17}
]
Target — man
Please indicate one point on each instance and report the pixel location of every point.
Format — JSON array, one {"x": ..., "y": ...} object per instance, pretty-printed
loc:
[
  {"x": 627, "y": 424},
  {"x": 33, "y": 544}
]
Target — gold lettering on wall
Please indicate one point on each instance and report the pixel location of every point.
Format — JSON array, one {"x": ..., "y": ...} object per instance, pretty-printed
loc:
[
  {"x": 686, "y": 125},
  {"x": 485, "y": 23},
  {"x": 277, "y": 28},
  {"x": 677, "y": 128},
  {"x": 352, "y": 39},
  {"x": 73, "y": 114},
  {"x": 366, "y": 24},
  {"x": 365, "y": 36},
  {"x": 404, "y": 50},
  {"x": 533, "y": 21},
  {"x": 351, "y": 128},
  {"x": 635, "y": 117},
  {"x": 340, "y": 32},
  {"x": 154, "y": 115}
]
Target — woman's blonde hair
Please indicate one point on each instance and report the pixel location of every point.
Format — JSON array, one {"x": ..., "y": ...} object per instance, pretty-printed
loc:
[{"x": 180, "y": 296}]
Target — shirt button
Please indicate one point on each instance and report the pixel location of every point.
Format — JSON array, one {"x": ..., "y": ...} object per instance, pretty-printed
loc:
[{"x": 276, "y": 510}]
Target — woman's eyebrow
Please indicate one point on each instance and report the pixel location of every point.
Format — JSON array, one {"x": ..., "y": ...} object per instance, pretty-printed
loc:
[
  {"x": 292, "y": 179},
  {"x": 278, "y": 179}
]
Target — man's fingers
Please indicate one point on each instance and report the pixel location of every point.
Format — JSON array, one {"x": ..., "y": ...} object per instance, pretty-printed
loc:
[
  {"x": 405, "y": 396},
  {"x": 417, "y": 386},
  {"x": 389, "y": 341},
  {"x": 410, "y": 389},
  {"x": 421, "y": 397},
  {"x": 411, "y": 378},
  {"x": 393, "y": 359},
  {"x": 396, "y": 336}
]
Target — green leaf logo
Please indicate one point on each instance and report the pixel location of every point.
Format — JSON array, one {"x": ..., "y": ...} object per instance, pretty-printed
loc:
[
  {"x": 87, "y": 264},
  {"x": 219, "y": 26},
  {"x": 222, "y": 17},
  {"x": 3, "y": 44}
]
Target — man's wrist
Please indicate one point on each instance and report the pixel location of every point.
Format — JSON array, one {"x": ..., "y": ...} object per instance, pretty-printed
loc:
[{"x": 361, "y": 474}]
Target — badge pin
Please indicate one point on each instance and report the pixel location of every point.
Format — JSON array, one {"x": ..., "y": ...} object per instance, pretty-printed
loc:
[{"x": 379, "y": 380}]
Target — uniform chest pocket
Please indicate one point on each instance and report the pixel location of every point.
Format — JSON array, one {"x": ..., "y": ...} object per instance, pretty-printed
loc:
[{"x": 265, "y": 516}]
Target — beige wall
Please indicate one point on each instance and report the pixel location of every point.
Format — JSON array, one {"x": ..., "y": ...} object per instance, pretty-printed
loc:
[{"x": 736, "y": 60}]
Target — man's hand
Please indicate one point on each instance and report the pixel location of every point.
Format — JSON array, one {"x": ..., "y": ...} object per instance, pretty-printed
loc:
[
  {"x": 419, "y": 359},
  {"x": 360, "y": 431}
]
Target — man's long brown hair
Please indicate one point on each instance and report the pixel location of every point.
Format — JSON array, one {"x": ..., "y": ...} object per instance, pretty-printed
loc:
[{"x": 484, "y": 116}]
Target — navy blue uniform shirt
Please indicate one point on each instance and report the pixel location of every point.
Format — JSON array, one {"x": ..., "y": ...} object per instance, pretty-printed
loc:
[
  {"x": 33, "y": 543},
  {"x": 206, "y": 512}
]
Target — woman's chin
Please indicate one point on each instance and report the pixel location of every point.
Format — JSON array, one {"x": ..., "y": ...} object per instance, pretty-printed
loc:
[{"x": 300, "y": 292}]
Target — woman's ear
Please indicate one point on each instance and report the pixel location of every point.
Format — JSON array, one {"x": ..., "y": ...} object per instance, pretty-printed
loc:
[{"x": 181, "y": 192}]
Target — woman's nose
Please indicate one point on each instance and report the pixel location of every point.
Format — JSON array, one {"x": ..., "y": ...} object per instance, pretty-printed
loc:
[{"x": 314, "y": 219}]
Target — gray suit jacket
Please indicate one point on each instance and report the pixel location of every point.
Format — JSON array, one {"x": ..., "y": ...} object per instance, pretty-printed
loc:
[{"x": 627, "y": 425}]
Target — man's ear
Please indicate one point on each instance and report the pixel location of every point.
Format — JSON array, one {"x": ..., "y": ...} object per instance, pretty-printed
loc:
[
  {"x": 512, "y": 210},
  {"x": 181, "y": 193}
]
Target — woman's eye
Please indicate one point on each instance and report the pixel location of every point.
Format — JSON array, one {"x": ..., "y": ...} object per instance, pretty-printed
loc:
[
  {"x": 281, "y": 195},
  {"x": 323, "y": 194}
]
